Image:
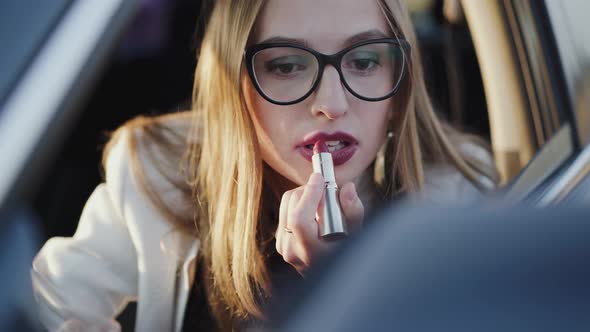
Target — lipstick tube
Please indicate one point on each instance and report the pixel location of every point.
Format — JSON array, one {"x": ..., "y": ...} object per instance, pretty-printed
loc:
[{"x": 332, "y": 226}]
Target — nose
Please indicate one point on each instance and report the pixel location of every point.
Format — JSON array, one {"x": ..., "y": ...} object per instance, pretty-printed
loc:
[{"x": 330, "y": 97}]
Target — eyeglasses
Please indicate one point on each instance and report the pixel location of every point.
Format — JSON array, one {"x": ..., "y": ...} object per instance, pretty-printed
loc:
[{"x": 285, "y": 73}]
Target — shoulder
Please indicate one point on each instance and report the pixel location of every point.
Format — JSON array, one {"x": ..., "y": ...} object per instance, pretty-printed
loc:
[
  {"x": 155, "y": 132},
  {"x": 444, "y": 183},
  {"x": 144, "y": 156}
]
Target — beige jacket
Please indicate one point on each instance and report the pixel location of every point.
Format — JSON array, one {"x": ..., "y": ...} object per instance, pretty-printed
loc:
[{"x": 124, "y": 250}]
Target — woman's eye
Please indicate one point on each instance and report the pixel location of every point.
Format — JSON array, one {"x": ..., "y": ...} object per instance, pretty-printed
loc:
[
  {"x": 285, "y": 66},
  {"x": 363, "y": 64}
]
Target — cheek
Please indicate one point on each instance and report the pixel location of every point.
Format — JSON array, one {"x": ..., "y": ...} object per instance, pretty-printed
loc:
[
  {"x": 265, "y": 123},
  {"x": 255, "y": 111},
  {"x": 270, "y": 122},
  {"x": 375, "y": 131},
  {"x": 376, "y": 118}
]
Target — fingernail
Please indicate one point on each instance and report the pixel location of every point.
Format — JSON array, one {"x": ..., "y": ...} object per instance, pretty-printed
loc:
[{"x": 351, "y": 193}]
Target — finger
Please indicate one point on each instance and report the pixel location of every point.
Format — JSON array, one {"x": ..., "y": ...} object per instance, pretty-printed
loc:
[
  {"x": 282, "y": 224},
  {"x": 304, "y": 213},
  {"x": 284, "y": 209},
  {"x": 291, "y": 256},
  {"x": 352, "y": 207},
  {"x": 295, "y": 252},
  {"x": 291, "y": 221}
]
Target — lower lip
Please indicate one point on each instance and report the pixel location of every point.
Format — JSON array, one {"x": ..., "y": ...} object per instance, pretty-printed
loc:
[{"x": 339, "y": 156}]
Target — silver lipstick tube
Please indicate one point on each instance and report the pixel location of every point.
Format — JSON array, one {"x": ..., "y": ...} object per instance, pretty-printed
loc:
[{"x": 332, "y": 225}]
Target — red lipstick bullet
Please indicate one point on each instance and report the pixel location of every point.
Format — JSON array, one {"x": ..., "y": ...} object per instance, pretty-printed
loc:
[{"x": 319, "y": 147}]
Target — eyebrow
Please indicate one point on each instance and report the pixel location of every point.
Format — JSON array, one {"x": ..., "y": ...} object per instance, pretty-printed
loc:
[{"x": 359, "y": 37}]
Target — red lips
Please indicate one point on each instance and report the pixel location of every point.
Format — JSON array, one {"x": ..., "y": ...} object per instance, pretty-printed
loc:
[{"x": 318, "y": 142}]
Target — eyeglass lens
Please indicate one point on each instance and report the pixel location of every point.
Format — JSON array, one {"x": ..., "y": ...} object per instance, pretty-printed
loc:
[{"x": 286, "y": 74}]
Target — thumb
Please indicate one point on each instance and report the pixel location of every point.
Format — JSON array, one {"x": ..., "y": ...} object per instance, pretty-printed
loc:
[
  {"x": 352, "y": 207},
  {"x": 307, "y": 206}
]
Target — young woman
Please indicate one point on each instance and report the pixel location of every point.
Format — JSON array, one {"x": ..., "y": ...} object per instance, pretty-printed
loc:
[{"x": 237, "y": 191}]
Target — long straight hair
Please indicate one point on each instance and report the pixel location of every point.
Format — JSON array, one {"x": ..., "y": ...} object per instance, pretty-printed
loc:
[{"x": 225, "y": 170}]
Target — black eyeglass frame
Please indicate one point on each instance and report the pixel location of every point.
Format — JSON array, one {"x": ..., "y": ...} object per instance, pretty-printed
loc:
[{"x": 323, "y": 59}]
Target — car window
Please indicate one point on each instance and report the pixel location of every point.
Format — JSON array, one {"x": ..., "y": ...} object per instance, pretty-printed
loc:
[
  {"x": 450, "y": 64},
  {"x": 570, "y": 24},
  {"x": 563, "y": 162}
]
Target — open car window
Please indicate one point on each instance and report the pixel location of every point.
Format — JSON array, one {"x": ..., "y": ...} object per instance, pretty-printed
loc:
[{"x": 564, "y": 160}]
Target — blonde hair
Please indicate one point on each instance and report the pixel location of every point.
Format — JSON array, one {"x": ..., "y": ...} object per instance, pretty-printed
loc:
[{"x": 225, "y": 170}]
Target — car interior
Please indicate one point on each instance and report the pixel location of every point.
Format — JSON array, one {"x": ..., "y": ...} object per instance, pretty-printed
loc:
[
  {"x": 152, "y": 76},
  {"x": 151, "y": 73},
  {"x": 487, "y": 68},
  {"x": 457, "y": 277}
]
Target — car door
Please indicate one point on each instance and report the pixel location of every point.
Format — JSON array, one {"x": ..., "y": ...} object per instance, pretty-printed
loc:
[{"x": 534, "y": 59}]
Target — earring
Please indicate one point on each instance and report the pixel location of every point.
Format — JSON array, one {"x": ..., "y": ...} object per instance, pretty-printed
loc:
[{"x": 379, "y": 168}]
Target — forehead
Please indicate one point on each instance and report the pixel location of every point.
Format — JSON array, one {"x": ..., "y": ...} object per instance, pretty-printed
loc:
[{"x": 324, "y": 24}]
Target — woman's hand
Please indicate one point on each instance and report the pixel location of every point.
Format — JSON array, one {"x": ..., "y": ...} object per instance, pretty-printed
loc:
[{"x": 297, "y": 236}]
